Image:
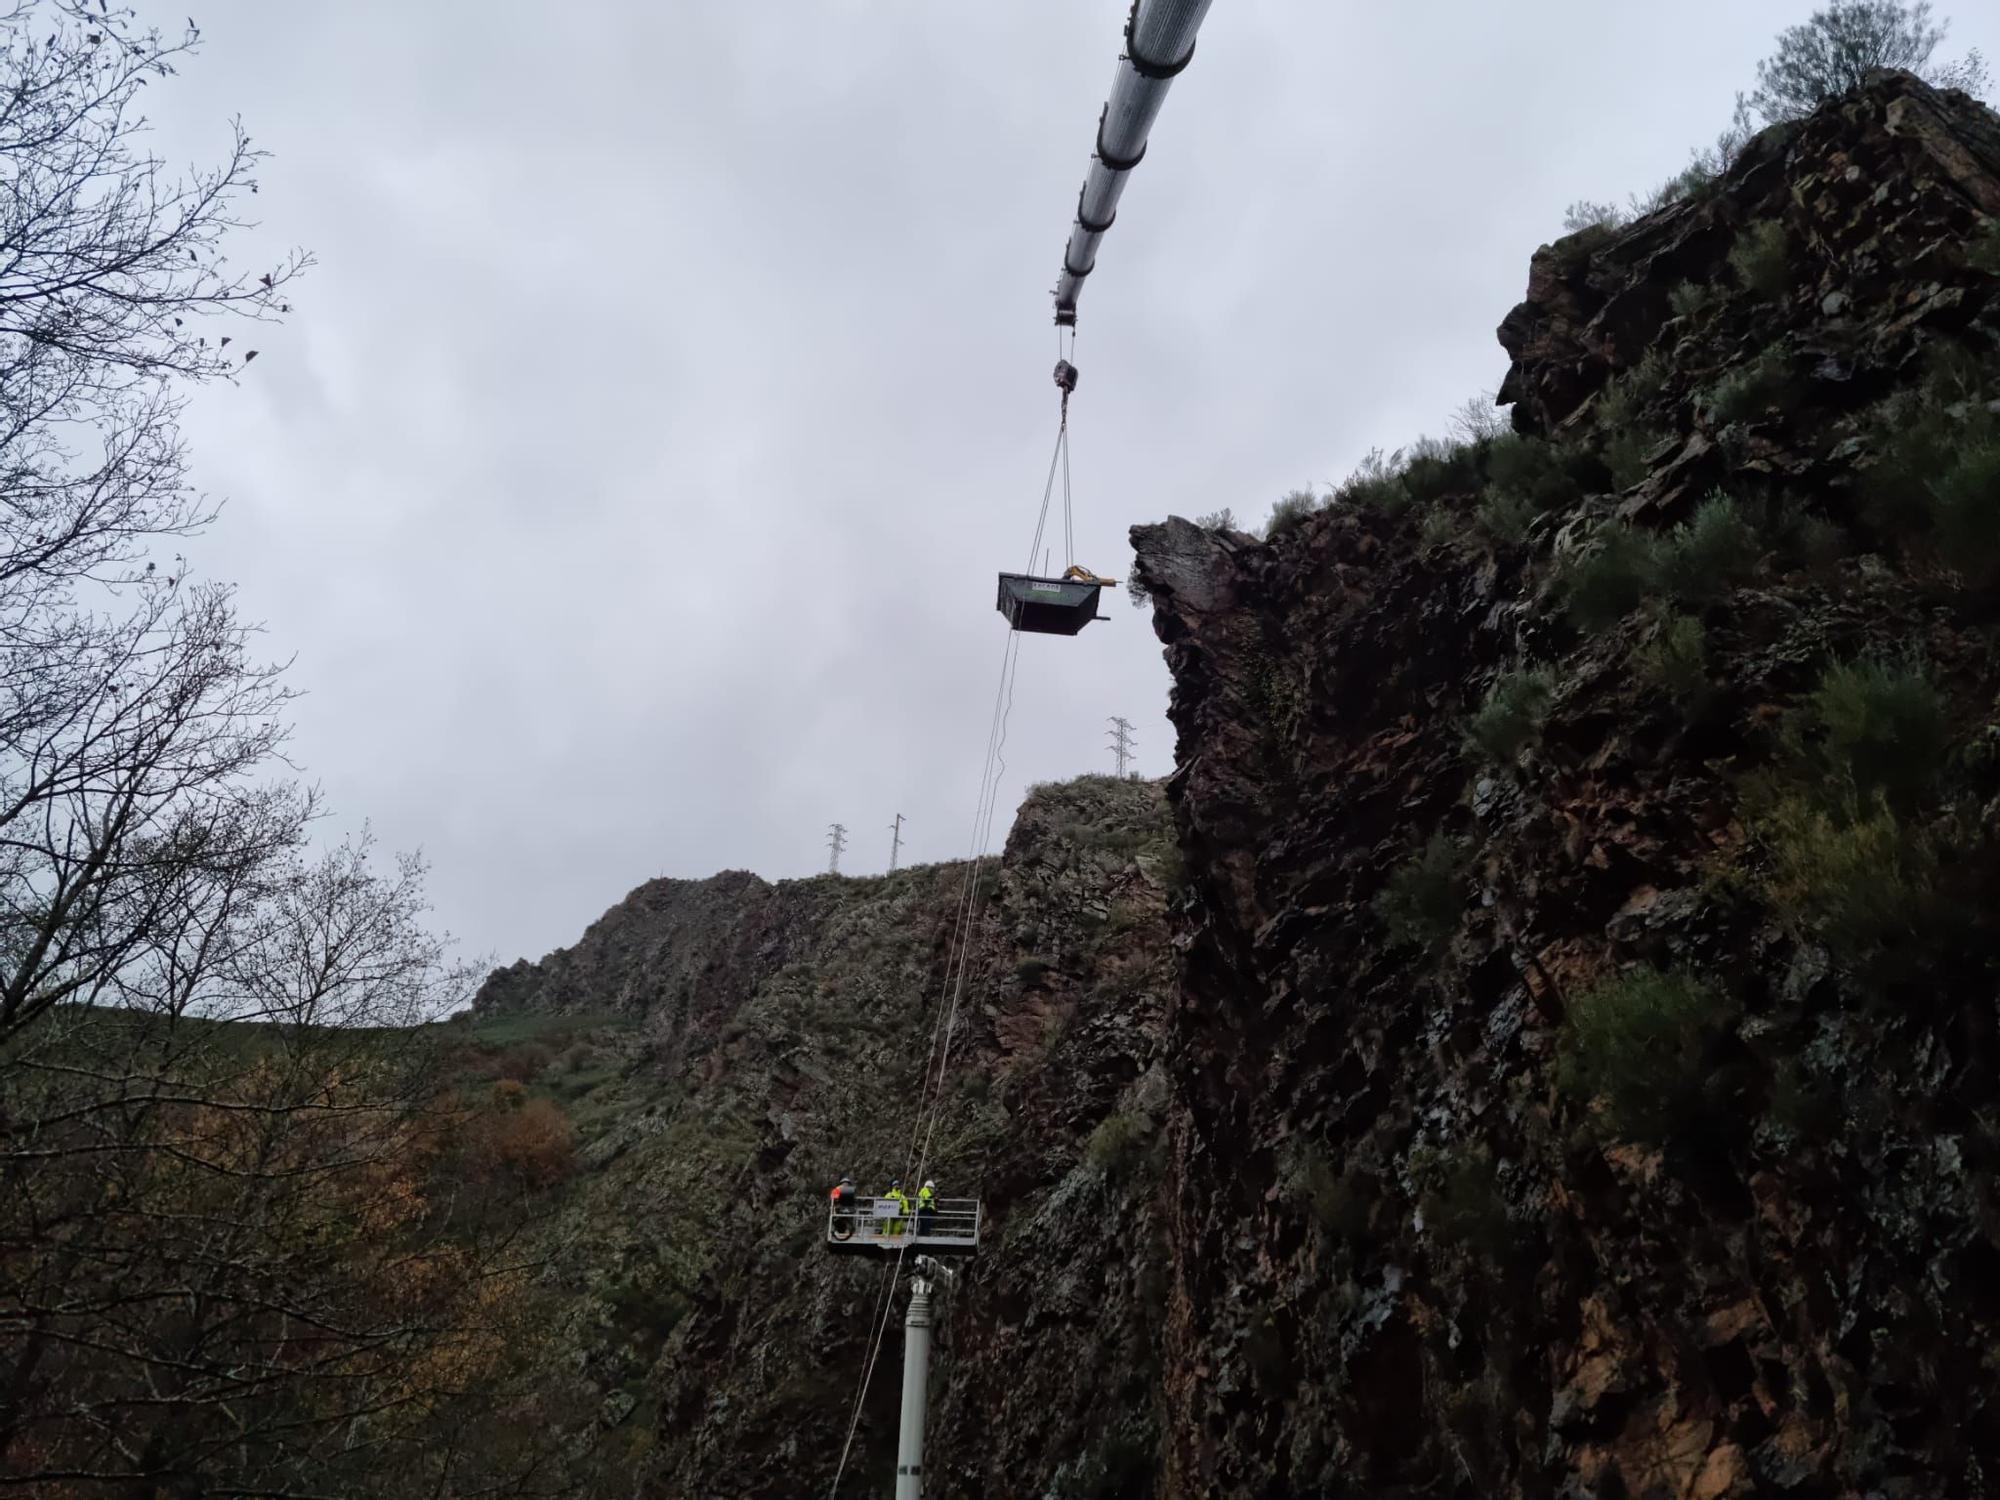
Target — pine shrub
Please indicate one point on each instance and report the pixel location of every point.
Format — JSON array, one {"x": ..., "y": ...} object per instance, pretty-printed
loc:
[
  {"x": 1425, "y": 896},
  {"x": 1512, "y": 715},
  {"x": 1607, "y": 579},
  {"x": 1707, "y": 556},
  {"x": 1762, "y": 258},
  {"x": 1639, "y": 1045}
]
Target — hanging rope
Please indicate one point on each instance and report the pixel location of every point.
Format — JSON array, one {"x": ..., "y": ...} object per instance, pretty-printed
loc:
[
  {"x": 1049, "y": 489},
  {"x": 957, "y": 964},
  {"x": 965, "y": 929},
  {"x": 1069, "y": 529}
]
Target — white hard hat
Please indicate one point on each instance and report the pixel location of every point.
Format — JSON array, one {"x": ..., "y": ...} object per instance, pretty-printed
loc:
[{"x": 928, "y": 1183}]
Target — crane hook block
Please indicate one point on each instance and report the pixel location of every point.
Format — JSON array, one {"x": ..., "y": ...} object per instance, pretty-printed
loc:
[{"x": 1065, "y": 376}]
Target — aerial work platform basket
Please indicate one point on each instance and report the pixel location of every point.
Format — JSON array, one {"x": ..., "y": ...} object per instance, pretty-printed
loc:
[
  {"x": 882, "y": 1226},
  {"x": 1051, "y": 606}
]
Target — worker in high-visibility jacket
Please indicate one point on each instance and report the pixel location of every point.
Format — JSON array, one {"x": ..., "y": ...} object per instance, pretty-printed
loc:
[
  {"x": 926, "y": 1206},
  {"x": 843, "y": 1197},
  {"x": 897, "y": 1196}
]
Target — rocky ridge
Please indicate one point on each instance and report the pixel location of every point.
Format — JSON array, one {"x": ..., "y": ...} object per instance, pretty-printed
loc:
[{"x": 1585, "y": 1050}]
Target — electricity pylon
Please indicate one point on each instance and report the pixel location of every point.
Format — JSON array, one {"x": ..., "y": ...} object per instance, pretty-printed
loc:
[
  {"x": 836, "y": 840},
  {"x": 1121, "y": 744}
]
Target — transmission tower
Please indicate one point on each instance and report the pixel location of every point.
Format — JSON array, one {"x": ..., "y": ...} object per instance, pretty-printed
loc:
[
  {"x": 895, "y": 842},
  {"x": 1121, "y": 744},
  {"x": 836, "y": 840}
]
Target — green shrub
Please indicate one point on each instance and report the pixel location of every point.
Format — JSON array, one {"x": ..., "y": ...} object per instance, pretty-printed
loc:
[
  {"x": 1628, "y": 454},
  {"x": 1938, "y": 462},
  {"x": 1290, "y": 511},
  {"x": 1754, "y": 390},
  {"x": 1606, "y": 580},
  {"x": 1424, "y": 897},
  {"x": 1375, "y": 484},
  {"x": 1639, "y": 1045},
  {"x": 1504, "y": 516},
  {"x": 1628, "y": 398},
  {"x": 1462, "y": 1204},
  {"x": 1675, "y": 662},
  {"x": 1984, "y": 253},
  {"x": 1441, "y": 527},
  {"x": 1917, "y": 441},
  {"x": 1692, "y": 181},
  {"x": 1539, "y": 472},
  {"x": 1690, "y": 299},
  {"x": 1030, "y": 970},
  {"x": 1572, "y": 253},
  {"x": 1118, "y": 1142},
  {"x": 1623, "y": 416},
  {"x": 1965, "y": 505},
  {"x": 1121, "y": 1464},
  {"x": 1880, "y": 727},
  {"x": 1338, "y": 1202},
  {"x": 1217, "y": 520},
  {"x": 1277, "y": 692},
  {"x": 1709, "y": 555},
  {"x": 1818, "y": 542},
  {"x": 1434, "y": 468},
  {"x": 1762, "y": 258},
  {"x": 1512, "y": 715},
  {"x": 1857, "y": 877}
]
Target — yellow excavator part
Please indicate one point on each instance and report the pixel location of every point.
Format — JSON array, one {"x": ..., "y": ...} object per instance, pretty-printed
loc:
[{"x": 1083, "y": 575}]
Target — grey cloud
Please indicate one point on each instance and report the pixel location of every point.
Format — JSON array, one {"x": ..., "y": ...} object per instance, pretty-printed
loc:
[{"x": 631, "y": 479}]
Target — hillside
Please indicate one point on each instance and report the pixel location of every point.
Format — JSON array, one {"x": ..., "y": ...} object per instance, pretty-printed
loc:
[{"x": 1548, "y": 1052}]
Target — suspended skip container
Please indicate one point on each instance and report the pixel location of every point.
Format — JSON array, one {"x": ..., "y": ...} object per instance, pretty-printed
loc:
[{"x": 1051, "y": 606}]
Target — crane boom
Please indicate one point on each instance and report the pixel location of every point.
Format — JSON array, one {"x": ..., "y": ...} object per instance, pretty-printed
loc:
[{"x": 1159, "y": 42}]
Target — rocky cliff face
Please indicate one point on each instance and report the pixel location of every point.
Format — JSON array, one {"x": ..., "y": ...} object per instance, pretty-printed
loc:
[
  {"x": 1551, "y": 1050},
  {"x": 1584, "y": 1061},
  {"x": 760, "y": 1041}
]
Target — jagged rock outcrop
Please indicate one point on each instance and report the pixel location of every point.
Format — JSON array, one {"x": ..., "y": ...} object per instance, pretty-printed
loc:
[
  {"x": 1888, "y": 186},
  {"x": 651, "y": 949},
  {"x": 1419, "y": 1245}
]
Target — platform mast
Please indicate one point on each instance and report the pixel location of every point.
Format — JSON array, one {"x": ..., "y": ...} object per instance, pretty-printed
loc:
[{"x": 916, "y": 1378}]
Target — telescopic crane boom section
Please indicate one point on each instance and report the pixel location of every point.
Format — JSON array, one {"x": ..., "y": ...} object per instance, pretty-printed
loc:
[{"x": 1159, "y": 42}]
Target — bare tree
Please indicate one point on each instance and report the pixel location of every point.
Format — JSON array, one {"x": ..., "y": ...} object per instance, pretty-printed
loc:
[
  {"x": 234, "y": 1260},
  {"x": 236, "y": 1252},
  {"x": 1842, "y": 44},
  {"x": 112, "y": 283},
  {"x": 1586, "y": 213},
  {"x": 1479, "y": 419},
  {"x": 132, "y": 716}
]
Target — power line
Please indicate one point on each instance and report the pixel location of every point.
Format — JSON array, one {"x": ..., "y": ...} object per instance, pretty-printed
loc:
[
  {"x": 836, "y": 840},
  {"x": 1121, "y": 744},
  {"x": 896, "y": 842}
]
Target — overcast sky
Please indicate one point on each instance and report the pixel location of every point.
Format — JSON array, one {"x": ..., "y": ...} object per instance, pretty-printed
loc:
[{"x": 631, "y": 480}]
